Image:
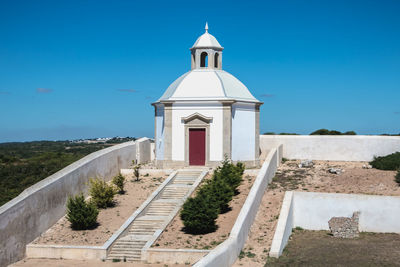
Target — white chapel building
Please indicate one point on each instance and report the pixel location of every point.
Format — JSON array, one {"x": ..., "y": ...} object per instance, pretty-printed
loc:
[{"x": 206, "y": 114}]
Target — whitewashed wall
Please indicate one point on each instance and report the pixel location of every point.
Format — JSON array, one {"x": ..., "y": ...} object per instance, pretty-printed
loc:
[
  {"x": 179, "y": 111},
  {"x": 312, "y": 211},
  {"x": 377, "y": 213},
  {"x": 159, "y": 138},
  {"x": 243, "y": 131},
  {"x": 341, "y": 148}
]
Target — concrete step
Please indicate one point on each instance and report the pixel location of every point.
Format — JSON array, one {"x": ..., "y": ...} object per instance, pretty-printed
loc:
[{"x": 126, "y": 248}]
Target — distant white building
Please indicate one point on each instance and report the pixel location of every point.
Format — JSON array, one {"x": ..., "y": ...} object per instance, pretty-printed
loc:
[{"x": 206, "y": 113}]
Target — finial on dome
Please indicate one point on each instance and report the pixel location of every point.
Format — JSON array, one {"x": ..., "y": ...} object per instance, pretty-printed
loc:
[{"x": 206, "y": 27}]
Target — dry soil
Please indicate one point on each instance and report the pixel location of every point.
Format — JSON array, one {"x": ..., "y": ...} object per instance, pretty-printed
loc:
[
  {"x": 110, "y": 219},
  {"x": 354, "y": 180}
]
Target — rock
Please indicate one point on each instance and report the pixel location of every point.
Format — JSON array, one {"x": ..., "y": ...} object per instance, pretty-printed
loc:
[
  {"x": 367, "y": 166},
  {"x": 344, "y": 227},
  {"x": 306, "y": 164},
  {"x": 335, "y": 170}
]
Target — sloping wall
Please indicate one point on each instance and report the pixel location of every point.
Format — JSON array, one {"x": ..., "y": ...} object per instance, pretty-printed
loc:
[
  {"x": 323, "y": 147},
  {"x": 43, "y": 204}
]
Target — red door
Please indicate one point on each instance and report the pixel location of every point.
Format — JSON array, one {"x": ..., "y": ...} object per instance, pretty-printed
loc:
[{"x": 197, "y": 146}]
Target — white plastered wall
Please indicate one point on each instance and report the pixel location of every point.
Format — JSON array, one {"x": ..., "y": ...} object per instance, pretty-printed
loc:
[
  {"x": 243, "y": 131},
  {"x": 323, "y": 147},
  {"x": 159, "y": 138},
  {"x": 180, "y": 110}
]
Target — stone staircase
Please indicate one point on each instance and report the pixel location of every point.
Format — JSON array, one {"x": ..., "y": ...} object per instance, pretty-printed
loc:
[{"x": 156, "y": 217}]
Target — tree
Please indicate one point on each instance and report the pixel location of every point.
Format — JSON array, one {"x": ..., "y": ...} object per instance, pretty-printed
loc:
[
  {"x": 136, "y": 171},
  {"x": 80, "y": 214},
  {"x": 199, "y": 215},
  {"x": 119, "y": 182},
  {"x": 102, "y": 193}
]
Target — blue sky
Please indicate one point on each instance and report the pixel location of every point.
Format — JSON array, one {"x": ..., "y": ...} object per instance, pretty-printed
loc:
[{"x": 80, "y": 69}]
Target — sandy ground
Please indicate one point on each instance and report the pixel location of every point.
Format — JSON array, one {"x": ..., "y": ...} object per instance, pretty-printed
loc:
[
  {"x": 83, "y": 263},
  {"x": 355, "y": 180},
  {"x": 174, "y": 237},
  {"x": 110, "y": 219}
]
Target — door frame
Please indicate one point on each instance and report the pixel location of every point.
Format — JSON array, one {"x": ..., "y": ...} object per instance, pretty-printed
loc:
[{"x": 197, "y": 121}]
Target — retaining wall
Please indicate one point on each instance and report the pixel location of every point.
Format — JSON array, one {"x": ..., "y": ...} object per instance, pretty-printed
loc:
[
  {"x": 143, "y": 150},
  {"x": 40, "y": 206},
  {"x": 312, "y": 211},
  {"x": 340, "y": 148},
  {"x": 173, "y": 256},
  {"x": 226, "y": 253}
]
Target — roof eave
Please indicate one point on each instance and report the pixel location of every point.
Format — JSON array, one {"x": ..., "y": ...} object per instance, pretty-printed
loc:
[{"x": 218, "y": 48}]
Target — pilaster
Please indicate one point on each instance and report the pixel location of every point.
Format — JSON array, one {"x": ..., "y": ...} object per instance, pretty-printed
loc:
[{"x": 167, "y": 131}]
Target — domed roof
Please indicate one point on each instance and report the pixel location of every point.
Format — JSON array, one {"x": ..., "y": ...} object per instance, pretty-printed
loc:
[
  {"x": 206, "y": 40},
  {"x": 208, "y": 84}
]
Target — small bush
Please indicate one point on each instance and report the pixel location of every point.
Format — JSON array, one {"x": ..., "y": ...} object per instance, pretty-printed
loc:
[
  {"x": 102, "y": 193},
  {"x": 199, "y": 215},
  {"x": 230, "y": 173},
  {"x": 136, "y": 171},
  {"x": 119, "y": 182},
  {"x": 398, "y": 176},
  {"x": 389, "y": 162},
  {"x": 219, "y": 192},
  {"x": 80, "y": 214}
]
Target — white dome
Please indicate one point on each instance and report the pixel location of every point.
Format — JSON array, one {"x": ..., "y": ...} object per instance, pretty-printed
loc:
[
  {"x": 206, "y": 40},
  {"x": 208, "y": 84}
]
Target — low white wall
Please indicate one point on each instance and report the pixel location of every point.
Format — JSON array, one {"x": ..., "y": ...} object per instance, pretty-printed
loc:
[
  {"x": 323, "y": 147},
  {"x": 226, "y": 253},
  {"x": 312, "y": 211},
  {"x": 377, "y": 213},
  {"x": 66, "y": 252},
  {"x": 284, "y": 226},
  {"x": 43, "y": 204},
  {"x": 172, "y": 256}
]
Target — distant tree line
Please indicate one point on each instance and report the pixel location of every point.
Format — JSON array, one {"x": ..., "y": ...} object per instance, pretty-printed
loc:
[
  {"x": 23, "y": 164},
  {"x": 327, "y": 132},
  {"x": 317, "y": 132}
]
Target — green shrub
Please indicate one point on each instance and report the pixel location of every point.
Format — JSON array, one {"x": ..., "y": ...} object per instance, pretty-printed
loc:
[
  {"x": 230, "y": 173},
  {"x": 136, "y": 171},
  {"x": 80, "y": 214},
  {"x": 398, "y": 176},
  {"x": 199, "y": 214},
  {"x": 389, "y": 162},
  {"x": 219, "y": 192},
  {"x": 240, "y": 167},
  {"x": 102, "y": 193},
  {"x": 119, "y": 182}
]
